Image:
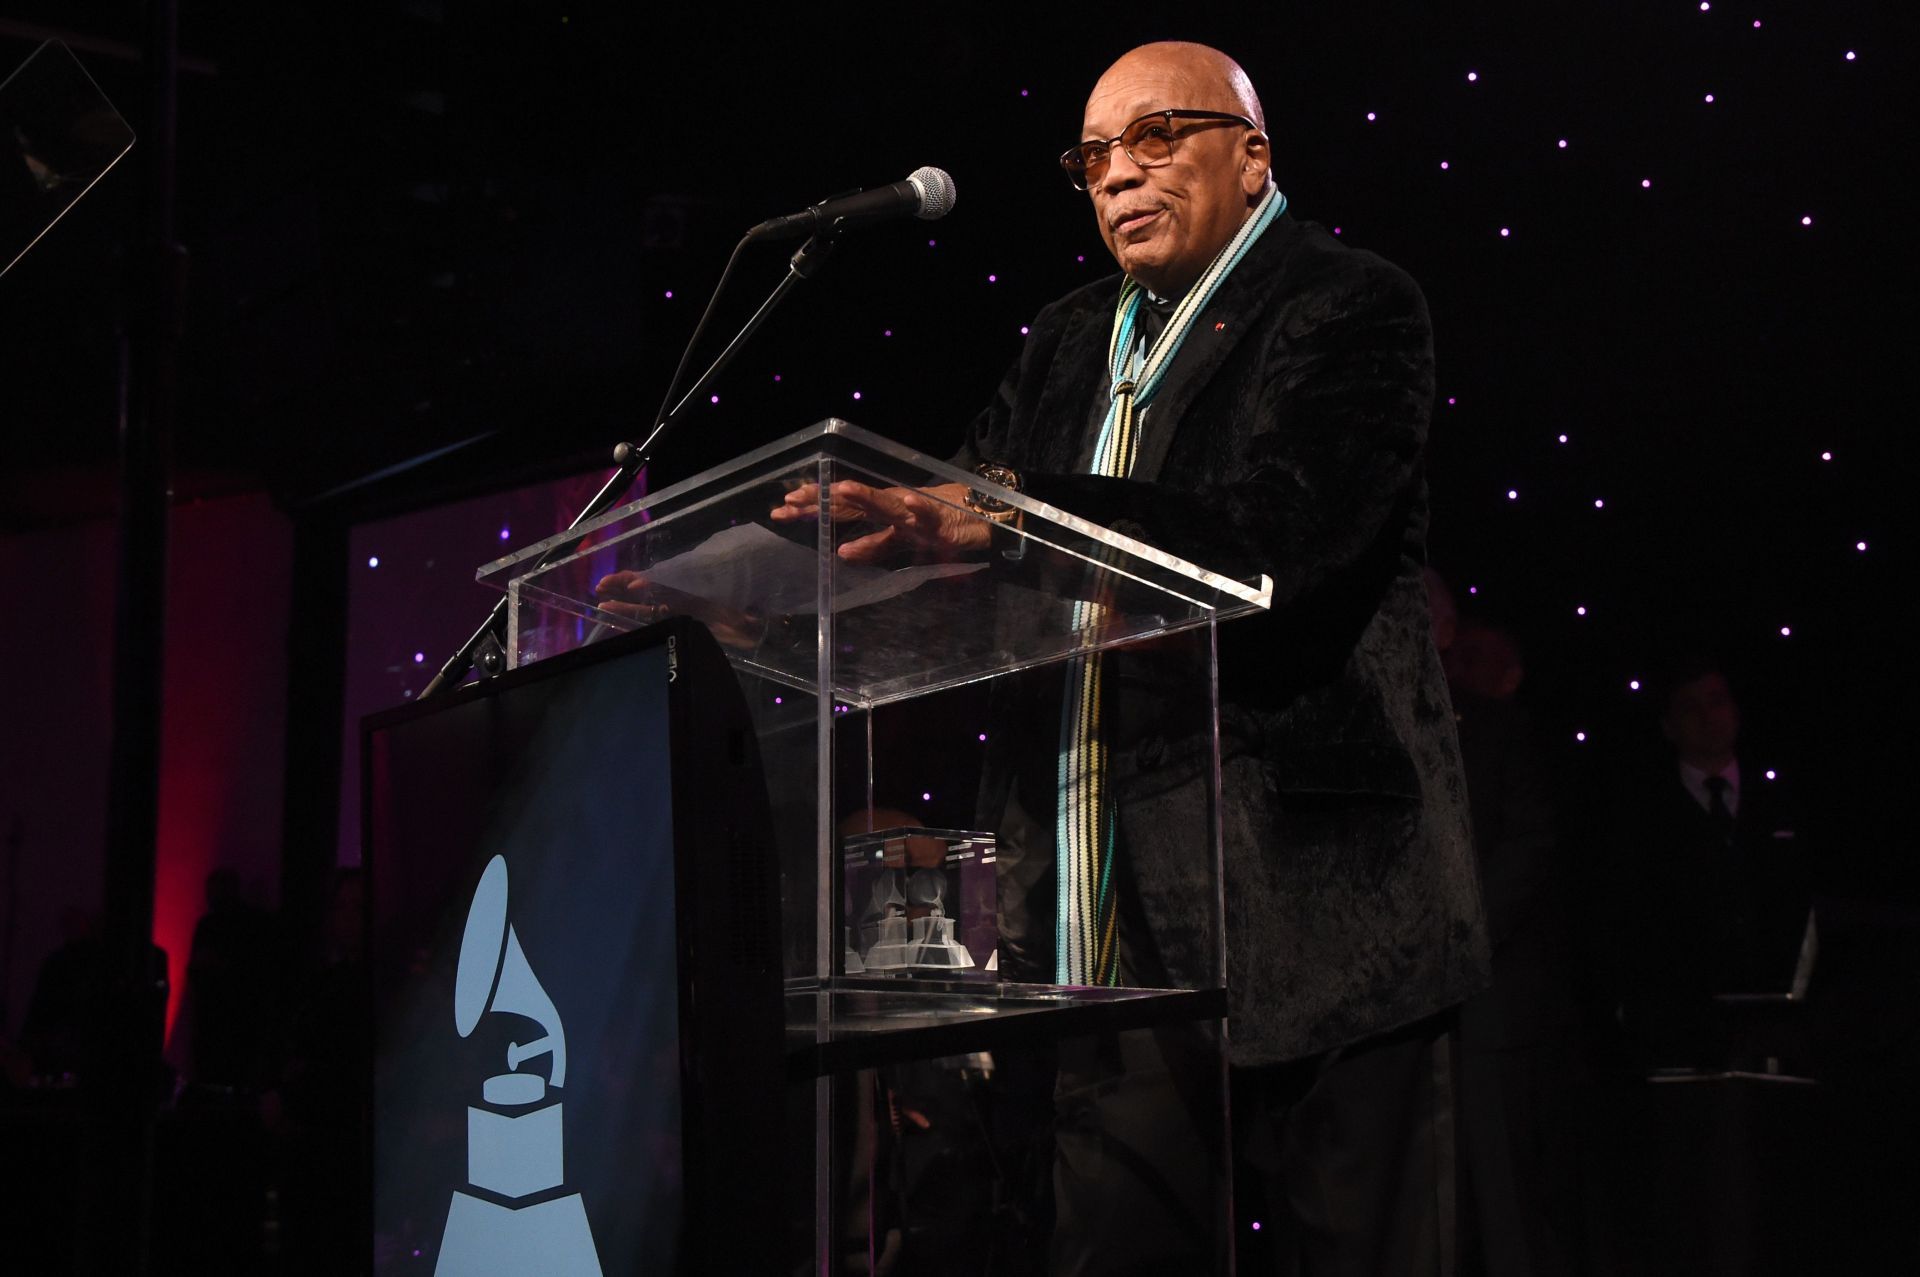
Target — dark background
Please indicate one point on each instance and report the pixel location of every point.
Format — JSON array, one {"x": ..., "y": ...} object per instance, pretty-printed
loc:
[
  {"x": 441, "y": 238},
  {"x": 414, "y": 225},
  {"x": 432, "y": 246}
]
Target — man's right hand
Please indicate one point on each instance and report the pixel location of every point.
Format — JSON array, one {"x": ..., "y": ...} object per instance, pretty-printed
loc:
[{"x": 917, "y": 523}]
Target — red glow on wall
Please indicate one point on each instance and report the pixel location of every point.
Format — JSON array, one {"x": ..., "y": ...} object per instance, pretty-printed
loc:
[
  {"x": 223, "y": 717},
  {"x": 184, "y": 853}
]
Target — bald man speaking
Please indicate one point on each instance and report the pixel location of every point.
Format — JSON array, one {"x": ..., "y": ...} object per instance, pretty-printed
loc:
[{"x": 1251, "y": 395}]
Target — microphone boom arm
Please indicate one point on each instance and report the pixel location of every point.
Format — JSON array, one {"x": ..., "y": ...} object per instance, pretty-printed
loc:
[{"x": 807, "y": 261}]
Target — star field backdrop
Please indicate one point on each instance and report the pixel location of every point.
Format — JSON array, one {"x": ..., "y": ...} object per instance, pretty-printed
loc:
[{"x": 1664, "y": 246}]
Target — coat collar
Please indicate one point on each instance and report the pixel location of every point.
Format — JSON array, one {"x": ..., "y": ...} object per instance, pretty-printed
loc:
[{"x": 1079, "y": 374}]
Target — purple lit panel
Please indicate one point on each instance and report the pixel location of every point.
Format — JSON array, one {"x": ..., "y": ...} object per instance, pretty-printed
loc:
[{"x": 405, "y": 619}]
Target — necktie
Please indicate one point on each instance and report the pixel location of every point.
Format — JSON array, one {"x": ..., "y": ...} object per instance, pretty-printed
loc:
[{"x": 1717, "y": 810}]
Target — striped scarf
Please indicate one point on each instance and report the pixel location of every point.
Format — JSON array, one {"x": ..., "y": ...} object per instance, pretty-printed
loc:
[{"x": 1086, "y": 950}]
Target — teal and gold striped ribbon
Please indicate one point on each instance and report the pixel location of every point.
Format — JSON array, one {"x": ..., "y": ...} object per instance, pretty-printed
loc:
[{"x": 1086, "y": 948}]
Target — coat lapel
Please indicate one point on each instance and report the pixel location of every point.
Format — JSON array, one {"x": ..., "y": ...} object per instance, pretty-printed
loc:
[
  {"x": 1078, "y": 375},
  {"x": 1079, "y": 372},
  {"x": 1233, "y": 312}
]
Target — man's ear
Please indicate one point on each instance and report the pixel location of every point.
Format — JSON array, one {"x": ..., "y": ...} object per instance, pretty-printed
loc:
[{"x": 1256, "y": 164}]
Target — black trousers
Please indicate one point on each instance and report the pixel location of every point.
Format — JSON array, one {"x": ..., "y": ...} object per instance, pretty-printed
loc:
[
  {"x": 1345, "y": 1161},
  {"x": 1140, "y": 1155}
]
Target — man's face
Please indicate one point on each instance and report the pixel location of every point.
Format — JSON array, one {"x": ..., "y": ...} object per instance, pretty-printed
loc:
[
  {"x": 1164, "y": 224},
  {"x": 1703, "y": 720}
]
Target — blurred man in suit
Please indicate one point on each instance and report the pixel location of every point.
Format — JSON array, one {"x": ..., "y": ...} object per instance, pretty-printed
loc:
[{"x": 1708, "y": 890}]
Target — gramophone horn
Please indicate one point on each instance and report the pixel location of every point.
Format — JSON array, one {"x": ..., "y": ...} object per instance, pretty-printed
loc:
[
  {"x": 480, "y": 947},
  {"x": 493, "y": 975}
]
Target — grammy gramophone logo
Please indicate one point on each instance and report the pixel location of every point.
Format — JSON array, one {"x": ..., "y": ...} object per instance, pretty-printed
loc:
[{"x": 514, "y": 1146}]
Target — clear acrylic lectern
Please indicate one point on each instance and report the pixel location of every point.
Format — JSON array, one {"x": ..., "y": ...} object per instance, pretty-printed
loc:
[{"x": 916, "y": 910}]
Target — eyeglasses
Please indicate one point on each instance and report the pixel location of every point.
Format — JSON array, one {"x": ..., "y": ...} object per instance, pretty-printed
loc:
[{"x": 1148, "y": 142}]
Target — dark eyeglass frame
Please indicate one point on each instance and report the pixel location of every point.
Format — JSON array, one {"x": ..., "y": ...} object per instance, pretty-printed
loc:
[{"x": 1075, "y": 161}]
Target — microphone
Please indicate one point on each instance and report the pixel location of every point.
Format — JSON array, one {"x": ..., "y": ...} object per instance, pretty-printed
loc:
[{"x": 927, "y": 193}]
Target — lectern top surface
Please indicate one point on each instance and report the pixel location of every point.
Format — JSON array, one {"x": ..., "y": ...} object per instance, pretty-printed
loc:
[{"x": 779, "y": 596}]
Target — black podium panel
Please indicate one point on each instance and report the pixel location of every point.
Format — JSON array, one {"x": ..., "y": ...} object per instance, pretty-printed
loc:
[{"x": 572, "y": 1043}]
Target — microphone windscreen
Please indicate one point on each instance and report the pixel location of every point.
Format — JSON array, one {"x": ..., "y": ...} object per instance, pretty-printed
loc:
[{"x": 936, "y": 192}]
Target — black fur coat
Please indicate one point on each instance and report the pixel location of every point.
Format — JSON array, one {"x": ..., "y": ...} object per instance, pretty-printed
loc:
[{"x": 1288, "y": 440}]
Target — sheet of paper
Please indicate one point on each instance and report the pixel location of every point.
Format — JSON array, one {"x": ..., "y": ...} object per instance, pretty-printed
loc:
[{"x": 751, "y": 566}]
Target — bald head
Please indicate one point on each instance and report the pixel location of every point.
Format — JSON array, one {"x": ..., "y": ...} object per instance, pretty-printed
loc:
[
  {"x": 1214, "y": 80},
  {"x": 1164, "y": 223}
]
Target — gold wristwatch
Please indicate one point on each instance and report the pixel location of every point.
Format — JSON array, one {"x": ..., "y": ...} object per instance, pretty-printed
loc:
[{"x": 993, "y": 509}]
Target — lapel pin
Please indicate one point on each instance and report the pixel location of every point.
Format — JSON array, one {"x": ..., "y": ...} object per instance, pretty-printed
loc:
[{"x": 1221, "y": 326}]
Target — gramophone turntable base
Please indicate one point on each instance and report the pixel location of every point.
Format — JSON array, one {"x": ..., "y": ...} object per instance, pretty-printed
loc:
[{"x": 551, "y": 1238}]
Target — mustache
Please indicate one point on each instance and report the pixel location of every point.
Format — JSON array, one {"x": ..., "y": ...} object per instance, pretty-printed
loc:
[{"x": 1127, "y": 211}]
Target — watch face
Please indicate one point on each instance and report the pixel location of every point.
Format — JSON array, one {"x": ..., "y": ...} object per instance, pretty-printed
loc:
[{"x": 993, "y": 507}]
